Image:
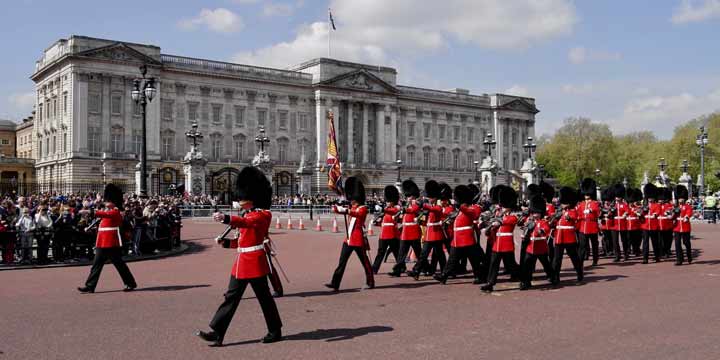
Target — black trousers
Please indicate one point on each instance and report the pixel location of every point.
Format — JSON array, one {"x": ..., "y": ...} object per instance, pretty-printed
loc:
[
  {"x": 43, "y": 241},
  {"x": 551, "y": 247},
  {"x": 635, "y": 239},
  {"x": 685, "y": 239},
  {"x": 585, "y": 242},
  {"x": 437, "y": 250},
  {"x": 405, "y": 246},
  {"x": 651, "y": 236},
  {"x": 617, "y": 238},
  {"x": 527, "y": 267},
  {"x": 115, "y": 256},
  {"x": 571, "y": 250},
  {"x": 607, "y": 242},
  {"x": 508, "y": 259},
  {"x": 236, "y": 288},
  {"x": 666, "y": 238},
  {"x": 345, "y": 253},
  {"x": 435, "y": 259},
  {"x": 384, "y": 245},
  {"x": 475, "y": 257}
]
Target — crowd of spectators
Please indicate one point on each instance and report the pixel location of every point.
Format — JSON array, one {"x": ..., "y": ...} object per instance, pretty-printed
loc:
[{"x": 61, "y": 228}]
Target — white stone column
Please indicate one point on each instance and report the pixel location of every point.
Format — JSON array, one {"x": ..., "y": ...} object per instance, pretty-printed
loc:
[
  {"x": 380, "y": 135},
  {"x": 364, "y": 120},
  {"x": 320, "y": 129},
  {"x": 79, "y": 127},
  {"x": 350, "y": 131},
  {"x": 393, "y": 135}
]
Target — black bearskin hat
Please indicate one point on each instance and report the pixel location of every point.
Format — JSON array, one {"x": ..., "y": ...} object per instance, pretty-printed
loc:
[
  {"x": 681, "y": 192},
  {"x": 664, "y": 194},
  {"x": 494, "y": 194},
  {"x": 446, "y": 192},
  {"x": 253, "y": 185},
  {"x": 508, "y": 197},
  {"x": 432, "y": 189},
  {"x": 650, "y": 191},
  {"x": 548, "y": 191},
  {"x": 392, "y": 194},
  {"x": 114, "y": 195},
  {"x": 474, "y": 189},
  {"x": 568, "y": 196},
  {"x": 588, "y": 187},
  {"x": 634, "y": 195},
  {"x": 607, "y": 194},
  {"x": 619, "y": 191},
  {"x": 354, "y": 189},
  {"x": 409, "y": 188},
  {"x": 537, "y": 205},
  {"x": 463, "y": 195},
  {"x": 532, "y": 190}
]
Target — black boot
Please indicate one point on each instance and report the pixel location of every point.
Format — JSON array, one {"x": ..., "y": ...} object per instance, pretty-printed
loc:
[
  {"x": 211, "y": 337},
  {"x": 272, "y": 336},
  {"x": 86, "y": 290},
  {"x": 487, "y": 288},
  {"x": 331, "y": 286},
  {"x": 441, "y": 278},
  {"x": 414, "y": 274}
]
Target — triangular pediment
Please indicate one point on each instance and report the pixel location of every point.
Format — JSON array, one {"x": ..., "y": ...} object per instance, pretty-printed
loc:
[
  {"x": 520, "y": 105},
  {"x": 119, "y": 52},
  {"x": 361, "y": 80}
]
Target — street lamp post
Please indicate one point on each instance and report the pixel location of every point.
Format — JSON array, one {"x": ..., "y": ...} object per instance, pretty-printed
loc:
[
  {"x": 662, "y": 165},
  {"x": 541, "y": 172},
  {"x": 701, "y": 140},
  {"x": 142, "y": 93},
  {"x": 477, "y": 172},
  {"x": 530, "y": 147},
  {"x": 194, "y": 134},
  {"x": 398, "y": 182},
  {"x": 684, "y": 167},
  {"x": 262, "y": 139},
  {"x": 489, "y": 143}
]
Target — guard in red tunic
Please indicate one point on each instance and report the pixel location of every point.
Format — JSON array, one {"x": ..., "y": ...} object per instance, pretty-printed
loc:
[
  {"x": 449, "y": 212},
  {"x": 634, "y": 219},
  {"x": 651, "y": 212},
  {"x": 620, "y": 212},
  {"x": 356, "y": 240},
  {"x": 109, "y": 242},
  {"x": 504, "y": 243},
  {"x": 388, "y": 239},
  {"x": 252, "y": 264},
  {"x": 411, "y": 233},
  {"x": 565, "y": 240},
  {"x": 666, "y": 220},
  {"x": 464, "y": 244},
  {"x": 682, "y": 213},
  {"x": 535, "y": 243},
  {"x": 434, "y": 235},
  {"x": 589, "y": 212},
  {"x": 607, "y": 223},
  {"x": 548, "y": 193}
]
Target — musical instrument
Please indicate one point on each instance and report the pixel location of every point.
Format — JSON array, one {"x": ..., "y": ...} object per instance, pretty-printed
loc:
[{"x": 222, "y": 238}]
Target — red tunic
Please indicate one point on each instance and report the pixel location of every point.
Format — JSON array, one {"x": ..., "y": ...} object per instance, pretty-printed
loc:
[
  {"x": 356, "y": 226},
  {"x": 633, "y": 219},
  {"x": 108, "y": 235},
  {"x": 565, "y": 229},
  {"x": 666, "y": 217},
  {"x": 538, "y": 239},
  {"x": 651, "y": 221},
  {"x": 682, "y": 223},
  {"x": 504, "y": 237},
  {"x": 549, "y": 210},
  {"x": 251, "y": 261},
  {"x": 621, "y": 210},
  {"x": 434, "y": 223},
  {"x": 447, "y": 210},
  {"x": 389, "y": 225},
  {"x": 464, "y": 230},
  {"x": 411, "y": 228},
  {"x": 607, "y": 222},
  {"x": 589, "y": 212}
]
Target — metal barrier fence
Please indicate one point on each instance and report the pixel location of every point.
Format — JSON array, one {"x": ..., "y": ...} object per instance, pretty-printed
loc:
[{"x": 208, "y": 210}]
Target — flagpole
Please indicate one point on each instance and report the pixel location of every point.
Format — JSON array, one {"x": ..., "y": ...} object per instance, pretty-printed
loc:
[{"x": 329, "y": 24}]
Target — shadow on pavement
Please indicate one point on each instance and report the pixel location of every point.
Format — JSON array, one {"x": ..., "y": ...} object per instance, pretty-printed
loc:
[
  {"x": 159, "y": 288},
  {"x": 327, "y": 292},
  {"x": 328, "y": 335}
]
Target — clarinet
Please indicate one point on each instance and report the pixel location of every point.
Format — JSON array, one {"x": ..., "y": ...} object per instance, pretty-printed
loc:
[{"x": 225, "y": 241}]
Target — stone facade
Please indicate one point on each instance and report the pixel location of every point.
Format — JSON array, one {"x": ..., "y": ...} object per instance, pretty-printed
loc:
[
  {"x": 7, "y": 138},
  {"x": 84, "y": 111},
  {"x": 25, "y": 148}
]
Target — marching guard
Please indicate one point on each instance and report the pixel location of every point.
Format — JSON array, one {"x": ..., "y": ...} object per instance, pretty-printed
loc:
[
  {"x": 434, "y": 234},
  {"x": 548, "y": 193},
  {"x": 410, "y": 235},
  {"x": 252, "y": 264},
  {"x": 635, "y": 213},
  {"x": 650, "y": 226},
  {"x": 683, "y": 212},
  {"x": 589, "y": 212},
  {"x": 388, "y": 240},
  {"x": 565, "y": 240},
  {"x": 666, "y": 220},
  {"x": 535, "y": 243},
  {"x": 504, "y": 244},
  {"x": 448, "y": 217},
  {"x": 109, "y": 242},
  {"x": 356, "y": 240},
  {"x": 619, "y": 211},
  {"x": 607, "y": 223}
]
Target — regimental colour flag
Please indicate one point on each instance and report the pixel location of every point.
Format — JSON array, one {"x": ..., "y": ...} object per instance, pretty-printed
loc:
[{"x": 333, "y": 159}]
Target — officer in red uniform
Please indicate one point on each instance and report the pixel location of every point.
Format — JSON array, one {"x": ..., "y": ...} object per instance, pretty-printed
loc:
[
  {"x": 620, "y": 212},
  {"x": 548, "y": 193},
  {"x": 411, "y": 233},
  {"x": 651, "y": 212},
  {"x": 448, "y": 217},
  {"x": 666, "y": 220},
  {"x": 109, "y": 242},
  {"x": 534, "y": 241},
  {"x": 504, "y": 243},
  {"x": 434, "y": 235},
  {"x": 634, "y": 219},
  {"x": 356, "y": 239},
  {"x": 565, "y": 240},
  {"x": 682, "y": 213},
  {"x": 388, "y": 239},
  {"x": 494, "y": 212},
  {"x": 464, "y": 244},
  {"x": 607, "y": 223},
  {"x": 589, "y": 212},
  {"x": 252, "y": 264}
]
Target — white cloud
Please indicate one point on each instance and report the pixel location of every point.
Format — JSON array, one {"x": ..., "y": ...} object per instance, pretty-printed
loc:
[
  {"x": 245, "y": 2},
  {"x": 22, "y": 101},
  {"x": 695, "y": 11},
  {"x": 579, "y": 55},
  {"x": 517, "y": 90},
  {"x": 218, "y": 20},
  {"x": 582, "y": 89},
  {"x": 367, "y": 30},
  {"x": 278, "y": 9}
]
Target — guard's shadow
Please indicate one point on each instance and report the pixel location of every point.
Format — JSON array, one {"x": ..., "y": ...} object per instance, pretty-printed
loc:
[
  {"x": 329, "y": 335},
  {"x": 327, "y": 292},
  {"x": 159, "y": 288}
]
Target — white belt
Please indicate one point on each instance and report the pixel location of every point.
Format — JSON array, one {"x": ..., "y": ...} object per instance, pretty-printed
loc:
[
  {"x": 108, "y": 229},
  {"x": 504, "y": 234},
  {"x": 435, "y": 223},
  {"x": 251, "y": 248},
  {"x": 538, "y": 238},
  {"x": 663, "y": 217},
  {"x": 464, "y": 228},
  {"x": 619, "y": 218},
  {"x": 388, "y": 224},
  {"x": 409, "y": 224},
  {"x": 564, "y": 227}
]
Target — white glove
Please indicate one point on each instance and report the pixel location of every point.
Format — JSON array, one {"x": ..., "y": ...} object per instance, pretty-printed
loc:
[
  {"x": 587, "y": 211},
  {"x": 341, "y": 209}
]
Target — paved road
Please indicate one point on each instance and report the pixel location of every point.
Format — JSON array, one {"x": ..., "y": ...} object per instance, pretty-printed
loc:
[{"x": 626, "y": 311}]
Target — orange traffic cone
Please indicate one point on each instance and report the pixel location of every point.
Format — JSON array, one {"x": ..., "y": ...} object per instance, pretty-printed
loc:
[
  {"x": 335, "y": 227},
  {"x": 370, "y": 231},
  {"x": 301, "y": 226},
  {"x": 412, "y": 256},
  {"x": 277, "y": 224},
  {"x": 318, "y": 227},
  {"x": 289, "y": 225}
]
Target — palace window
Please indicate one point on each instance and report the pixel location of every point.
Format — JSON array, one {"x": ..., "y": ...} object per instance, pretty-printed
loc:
[
  {"x": 261, "y": 117},
  {"x": 55, "y": 112},
  {"x": 426, "y": 158},
  {"x": 166, "y": 110},
  {"x": 239, "y": 116},
  {"x": 116, "y": 104},
  {"x": 116, "y": 140},
  {"x": 40, "y": 148},
  {"x": 411, "y": 129},
  {"x": 441, "y": 132},
  {"x": 456, "y": 133},
  {"x": 216, "y": 112},
  {"x": 282, "y": 119},
  {"x": 65, "y": 142},
  {"x": 65, "y": 103},
  {"x": 470, "y": 135},
  {"x": 193, "y": 111},
  {"x": 441, "y": 159},
  {"x": 137, "y": 141},
  {"x": 167, "y": 146},
  {"x": 411, "y": 157},
  {"x": 94, "y": 144},
  {"x": 54, "y": 144},
  {"x": 239, "y": 144},
  {"x": 471, "y": 160},
  {"x": 514, "y": 137},
  {"x": 426, "y": 130},
  {"x": 40, "y": 113},
  {"x": 94, "y": 103},
  {"x": 282, "y": 152},
  {"x": 456, "y": 159},
  {"x": 303, "y": 122},
  {"x": 216, "y": 148}
]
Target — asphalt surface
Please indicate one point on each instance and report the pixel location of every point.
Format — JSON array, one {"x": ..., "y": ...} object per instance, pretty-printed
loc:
[{"x": 622, "y": 311}]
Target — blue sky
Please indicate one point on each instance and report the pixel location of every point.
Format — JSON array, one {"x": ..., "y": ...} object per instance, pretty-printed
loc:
[{"x": 634, "y": 64}]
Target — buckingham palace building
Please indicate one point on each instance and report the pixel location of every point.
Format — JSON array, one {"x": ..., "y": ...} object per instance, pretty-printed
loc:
[{"x": 87, "y": 127}]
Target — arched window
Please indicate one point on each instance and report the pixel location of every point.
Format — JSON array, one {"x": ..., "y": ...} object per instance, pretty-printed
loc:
[
  {"x": 239, "y": 147},
  {"x": 427, "y": 157},
  {"x": 471, "y": 160},
  {"x": 282, "y": 150},
  {"x": 456, "y": 159},
  {"x": 410, "y": 156},
  {"x": 216, "y": 146},
  {"x": 442, "y": 159}
]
